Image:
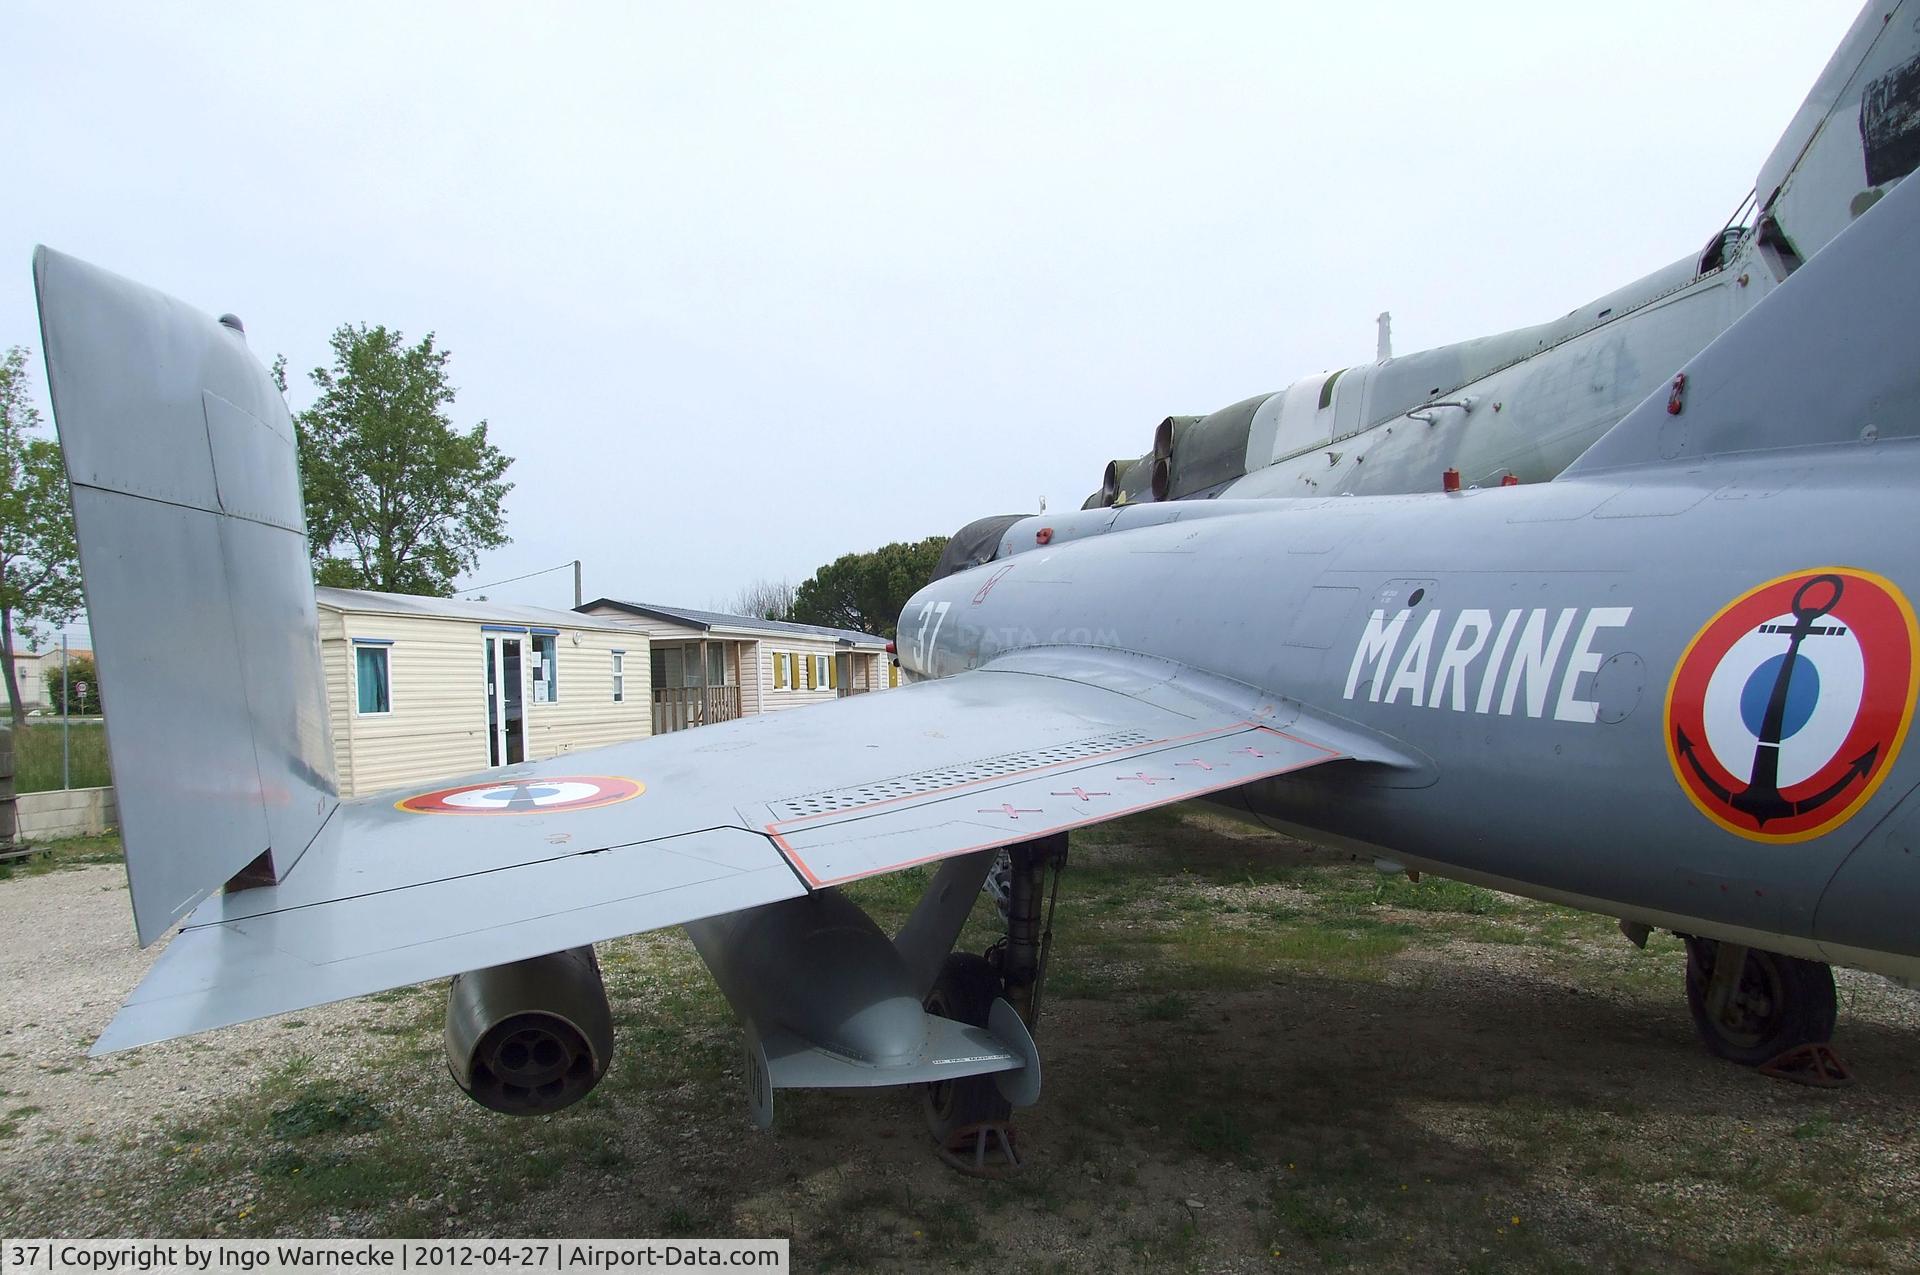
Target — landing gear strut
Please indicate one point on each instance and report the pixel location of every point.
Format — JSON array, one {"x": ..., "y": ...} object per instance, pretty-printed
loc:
[
  {"x": 969, "y": 1118},
  {"x": 1765, "y": 1010},
  {"x": 1021, "y": 957}
]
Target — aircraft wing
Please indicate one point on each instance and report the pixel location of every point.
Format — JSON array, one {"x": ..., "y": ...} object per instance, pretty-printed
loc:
[
  {"x": 512, "y": 863},
  {"x": 187, "y": 508}
]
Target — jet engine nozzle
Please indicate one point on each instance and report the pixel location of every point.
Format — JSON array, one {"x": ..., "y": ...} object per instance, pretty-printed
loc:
[
  {"x": 531, "y": 1037},
  {"x": 1127, "y": 482}
]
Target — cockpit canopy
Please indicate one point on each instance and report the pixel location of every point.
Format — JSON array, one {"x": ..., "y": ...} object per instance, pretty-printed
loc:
[{"x": 974, "y": 544}]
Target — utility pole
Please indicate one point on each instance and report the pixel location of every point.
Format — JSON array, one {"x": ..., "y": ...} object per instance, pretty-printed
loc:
[{"x": 66, "y": 726}]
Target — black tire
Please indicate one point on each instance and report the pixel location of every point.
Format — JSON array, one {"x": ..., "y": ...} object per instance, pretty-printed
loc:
[
  {"x": 964, "y": 992},
  {"x": 1782, "y": 1003}
]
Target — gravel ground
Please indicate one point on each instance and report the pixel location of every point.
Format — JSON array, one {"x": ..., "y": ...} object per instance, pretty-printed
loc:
[
  {"x": 74, "y": 960},
  {"x": 73, "y": 1120},
  {"x": 1293, "y": 1118}
]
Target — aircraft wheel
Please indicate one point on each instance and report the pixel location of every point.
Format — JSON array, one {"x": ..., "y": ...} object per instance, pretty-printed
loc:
[
  {"x": 964, "y": 992},
  {"x": 1779, "y": 1003}
]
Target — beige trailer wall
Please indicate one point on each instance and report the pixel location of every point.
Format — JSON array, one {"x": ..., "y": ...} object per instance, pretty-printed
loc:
[
  {"x": 437, "y": 724},
  {"x": 779, "y": 656}
]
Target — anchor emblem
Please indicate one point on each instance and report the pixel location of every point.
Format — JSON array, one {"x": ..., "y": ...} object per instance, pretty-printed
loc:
[
  {"x": 1761, "y": 798},
  {"x": 1822, "y": 718}
]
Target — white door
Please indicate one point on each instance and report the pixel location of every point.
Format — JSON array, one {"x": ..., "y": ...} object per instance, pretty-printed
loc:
[{"x": 506, "y": 700}]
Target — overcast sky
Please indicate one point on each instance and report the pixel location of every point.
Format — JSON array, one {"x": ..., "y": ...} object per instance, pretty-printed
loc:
[{"x": 743, "y": 287}]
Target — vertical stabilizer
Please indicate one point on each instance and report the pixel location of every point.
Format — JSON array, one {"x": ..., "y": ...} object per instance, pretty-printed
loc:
[
  {"x": 1824, "y": 359},
  {"x": 186, "y": 498},
  {"x": 1855, "y": 135}
]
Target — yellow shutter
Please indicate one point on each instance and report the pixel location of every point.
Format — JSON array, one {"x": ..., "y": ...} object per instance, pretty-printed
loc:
[
  {"x": 893, "y": 673},
  {"x": 779, "y": 670},
  {"x": 833, "y": 671},
  {"x": 810, "y": 670}
]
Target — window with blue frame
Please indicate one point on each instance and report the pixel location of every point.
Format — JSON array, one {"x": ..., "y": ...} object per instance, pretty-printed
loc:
[
  {"x": 370, "y": 679},
  {"x": 546, "y": 687}
]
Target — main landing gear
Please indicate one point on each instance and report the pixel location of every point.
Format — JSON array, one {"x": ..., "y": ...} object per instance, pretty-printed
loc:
[
  {"x": 1764, "y": 1010},
  {"x": 969, "y": 1119}
]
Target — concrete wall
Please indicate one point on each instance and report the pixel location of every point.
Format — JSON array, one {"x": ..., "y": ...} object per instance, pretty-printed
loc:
[{"x": 74, "y": 812}]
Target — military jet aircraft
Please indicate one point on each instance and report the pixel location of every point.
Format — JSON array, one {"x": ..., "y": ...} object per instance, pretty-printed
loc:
[
  {"x": 1673, "y": 686},
  {"x": 1520, "y": 406}
]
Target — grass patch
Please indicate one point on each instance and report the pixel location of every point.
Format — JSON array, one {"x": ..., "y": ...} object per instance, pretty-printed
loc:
[
  {"x": 1436, "y": 894},
  {"x": 1200, "y": 955},
  {"x": 951, "y": 1224},
  {"x": 1818, "y": 1127},
  {"x": 36, "y": 756},
  {"x": 1323, "y": 1221},
  {"x": 67, "y": 852},
  {"x": 1219, "y": 1134},
  {"x": 1170, "y": 1008},
  {"x": 324, "y": 1109}
]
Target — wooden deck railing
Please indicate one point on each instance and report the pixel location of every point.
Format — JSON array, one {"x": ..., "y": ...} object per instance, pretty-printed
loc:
[{"x": 677, "y": 708}]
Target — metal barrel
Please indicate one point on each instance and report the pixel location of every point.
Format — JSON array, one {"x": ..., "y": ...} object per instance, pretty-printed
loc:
[{"x": 7, "y": 824}]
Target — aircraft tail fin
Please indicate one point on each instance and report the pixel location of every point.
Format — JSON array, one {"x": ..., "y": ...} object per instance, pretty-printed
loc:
[
  {"x": 1825, "y": 358},
  {"x": 1857, "y": 133},
  {"x": 181, "y": 460}
]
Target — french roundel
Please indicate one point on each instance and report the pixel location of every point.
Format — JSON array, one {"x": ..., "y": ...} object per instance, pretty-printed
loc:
[
  {"x": 547, "y": 795},
  {"x": 1789, "y": 707}
]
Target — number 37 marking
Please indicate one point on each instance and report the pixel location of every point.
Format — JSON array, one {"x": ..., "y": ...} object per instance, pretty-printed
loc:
[{"x": 924, "y": 643}]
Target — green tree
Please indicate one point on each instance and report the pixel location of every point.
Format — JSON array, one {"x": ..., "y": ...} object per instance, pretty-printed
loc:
[
  {"x": 397, "y": 498},
  {"x": 80, "y": 703},
  {"x": 867, "y": 591},
  {"x": 39, "y": 561}
]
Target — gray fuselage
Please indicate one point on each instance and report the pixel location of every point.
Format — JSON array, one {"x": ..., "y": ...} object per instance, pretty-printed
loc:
[{"x": 1538, "y": 765}]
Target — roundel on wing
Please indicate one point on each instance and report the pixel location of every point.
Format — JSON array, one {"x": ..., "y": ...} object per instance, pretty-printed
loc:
[
  {"x": 547, "y": 795},
  {"x": 1788, "y": 708}
]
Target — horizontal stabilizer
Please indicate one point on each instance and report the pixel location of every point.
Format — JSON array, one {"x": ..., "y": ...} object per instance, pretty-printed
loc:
[
  {"x": 405, "y": 887},
  {"x": 214, "y": 975}
]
